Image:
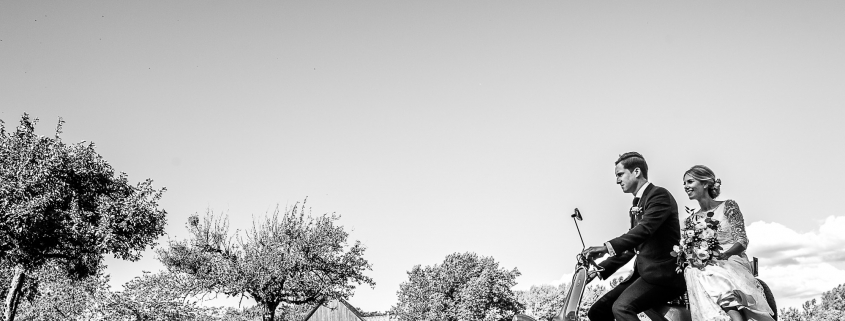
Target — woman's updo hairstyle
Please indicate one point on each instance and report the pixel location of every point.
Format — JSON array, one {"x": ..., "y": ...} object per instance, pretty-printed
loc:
[{"x": 705, "y": 175}]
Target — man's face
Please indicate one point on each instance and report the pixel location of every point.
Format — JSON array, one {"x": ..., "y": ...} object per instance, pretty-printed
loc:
[{"x": 626, "y": 179}]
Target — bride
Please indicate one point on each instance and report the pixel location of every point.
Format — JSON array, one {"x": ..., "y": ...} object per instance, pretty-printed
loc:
[{"x": 726, "y": 290}]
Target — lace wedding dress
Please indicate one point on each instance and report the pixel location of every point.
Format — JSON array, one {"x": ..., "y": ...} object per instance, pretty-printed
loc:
[{"x": 729, "y": 283}]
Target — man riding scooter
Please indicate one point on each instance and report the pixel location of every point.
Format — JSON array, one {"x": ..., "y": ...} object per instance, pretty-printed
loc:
[{"x": 655, "y": 229}]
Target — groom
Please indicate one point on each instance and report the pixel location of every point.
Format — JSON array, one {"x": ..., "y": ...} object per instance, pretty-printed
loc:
[{"x": 654, "y": 230}]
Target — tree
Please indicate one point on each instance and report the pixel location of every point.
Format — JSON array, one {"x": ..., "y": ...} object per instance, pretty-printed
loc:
[
  {"x": 55, "y": 296},
  {"x": 592, "y": 294},
  {"x": 365, "y": 313},
  {"x": 286, "y": 259},
  {"x": 831, "y": 307},
  {"x": 834, "y": 299},
  {"x": 285, "y": 313},
  {"x": 543, "y": 302},
  {"x": 64, "y": 204},
  {"x": 464, "y": 287},
  {"x": 151, "y": 296}
]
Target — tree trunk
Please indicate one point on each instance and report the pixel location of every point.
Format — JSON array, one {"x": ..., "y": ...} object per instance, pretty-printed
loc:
[
  {"x": 270, "y": 313},
  {"x": 14, "y": 295}
]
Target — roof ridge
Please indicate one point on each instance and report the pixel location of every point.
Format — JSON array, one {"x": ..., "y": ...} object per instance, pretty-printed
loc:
[
  {"x": 353, "y": 309},
  {"x": 344, "y": 302}
]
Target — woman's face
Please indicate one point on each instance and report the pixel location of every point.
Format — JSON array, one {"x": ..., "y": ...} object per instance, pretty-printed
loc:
[{"x": 695, "y": 189}]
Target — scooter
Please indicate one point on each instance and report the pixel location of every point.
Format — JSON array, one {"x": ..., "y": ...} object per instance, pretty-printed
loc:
[{"x": 675, "y": 310}]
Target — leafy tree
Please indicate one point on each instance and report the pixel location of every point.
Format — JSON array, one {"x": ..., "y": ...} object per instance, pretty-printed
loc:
[
  {"x": 831, "y": 307},
  {"x": 789, "y": 314},
  {"x": 151, "y": 296},
  {"x": 543, "y": 302},
  {"x": 834, "y": 299},
  {"x": 49, "y": 294},
  {"x": 159, "y": 296},
  {"x": 592, "y": 294},
  {"x": 255, "y": 313},
  {"x": 286, "y": 259},
  {"x": 285, "y": 312},
  {"x": 63, "y": 204},
  {"x": 464, "y": 287},
  {"x": 371, "y": 313},
  {"x": 294, "y": 312},
  {"x": 248, "y": 314}
]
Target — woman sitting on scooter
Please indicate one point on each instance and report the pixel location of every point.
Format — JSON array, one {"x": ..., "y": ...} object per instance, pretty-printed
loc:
[{"x": 727, "y": 289}]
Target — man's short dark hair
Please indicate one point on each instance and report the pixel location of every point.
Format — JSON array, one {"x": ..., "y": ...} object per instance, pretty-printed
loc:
[{"x": 632, "y": 160}]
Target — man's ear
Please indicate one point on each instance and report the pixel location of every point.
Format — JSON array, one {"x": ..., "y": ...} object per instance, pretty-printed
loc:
[{"x": 637, "y": 173}]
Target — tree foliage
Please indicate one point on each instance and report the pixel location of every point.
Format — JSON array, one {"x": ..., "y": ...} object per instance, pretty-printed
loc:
[
  {"x": 50, "y": 294},
  {"x": 831, "y": 307},
  {"x": 289, "y": 258},
  {"x": 285, "y": 312},
  {"x": 544, "y": 302},
  {"x": 151, "y": 296},
  {"x": 64, "y": 204},
  {"x": 464, "y": 287}
]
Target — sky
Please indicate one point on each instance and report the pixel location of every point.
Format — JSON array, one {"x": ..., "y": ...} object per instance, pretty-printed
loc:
[{"x": 436, "y": 127}]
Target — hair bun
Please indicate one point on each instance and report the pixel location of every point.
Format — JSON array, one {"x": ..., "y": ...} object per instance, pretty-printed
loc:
[{"x": 716, "y": 189}]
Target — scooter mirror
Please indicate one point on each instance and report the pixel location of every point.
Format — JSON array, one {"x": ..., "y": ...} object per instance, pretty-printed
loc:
[{"x": 577, "y": 215}]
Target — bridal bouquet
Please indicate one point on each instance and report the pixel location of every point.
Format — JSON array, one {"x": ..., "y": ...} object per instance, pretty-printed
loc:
[{"x": 699, "y": 246}]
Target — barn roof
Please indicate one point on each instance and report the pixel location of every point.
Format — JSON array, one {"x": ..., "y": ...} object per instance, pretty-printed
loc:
[{"x": 342, "y": 302}]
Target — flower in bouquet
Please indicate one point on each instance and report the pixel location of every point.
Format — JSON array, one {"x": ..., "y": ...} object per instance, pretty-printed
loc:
[
  {"x": 702, "y": 254},
  {"x": 699, "y": 246}
]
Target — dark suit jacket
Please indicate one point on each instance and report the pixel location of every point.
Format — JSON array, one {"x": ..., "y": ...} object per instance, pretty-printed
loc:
[{"x": 653, "y": 237}]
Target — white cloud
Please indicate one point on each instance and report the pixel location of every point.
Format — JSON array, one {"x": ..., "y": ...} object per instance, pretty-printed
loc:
[
  {"x": 784, "y": 246},
  {"x": 563, "y": 279},
  {"x": 793, "y": 285},
  {"x": 799, "y": 266}
]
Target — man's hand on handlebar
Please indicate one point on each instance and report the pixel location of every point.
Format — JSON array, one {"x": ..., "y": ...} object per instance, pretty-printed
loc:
[
  {"x": 585, "y": 259},
  {"x": 593, "y": 252}
]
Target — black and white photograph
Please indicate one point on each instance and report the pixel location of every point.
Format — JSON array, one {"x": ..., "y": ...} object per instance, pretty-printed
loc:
[{"x": 422, "y": 160}]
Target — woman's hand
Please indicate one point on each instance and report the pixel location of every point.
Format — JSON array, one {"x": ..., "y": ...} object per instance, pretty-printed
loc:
[{"x": 736, "y": 249}]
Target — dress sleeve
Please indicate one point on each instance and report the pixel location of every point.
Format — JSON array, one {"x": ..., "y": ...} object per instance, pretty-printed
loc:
[{"x": 736, "y": 223}]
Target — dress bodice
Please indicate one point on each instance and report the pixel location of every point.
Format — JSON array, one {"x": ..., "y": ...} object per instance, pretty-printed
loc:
[{"x": 731, "y": 224}]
